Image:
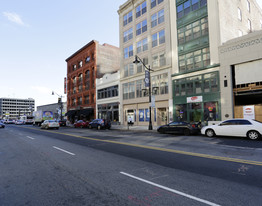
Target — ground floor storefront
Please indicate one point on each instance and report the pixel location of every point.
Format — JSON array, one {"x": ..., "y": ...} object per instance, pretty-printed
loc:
[
  {"x": 197, "y": 98},
  {"x": 139, "y": 114},
  {"x": 80, "y": 114},
  {"x": 109, "y": 112}
]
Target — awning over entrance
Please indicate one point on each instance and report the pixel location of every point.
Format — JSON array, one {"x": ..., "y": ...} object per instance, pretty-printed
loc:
[
  {"x": 70, "y": 113},
  {"x": 85, "y": 112}
]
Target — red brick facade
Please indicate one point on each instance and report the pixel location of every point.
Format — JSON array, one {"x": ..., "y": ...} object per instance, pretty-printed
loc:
[{"x": 81, "y": 76}]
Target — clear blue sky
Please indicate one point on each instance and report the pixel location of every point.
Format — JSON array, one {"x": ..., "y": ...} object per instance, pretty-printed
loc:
[{"x": 37, "y": 36}]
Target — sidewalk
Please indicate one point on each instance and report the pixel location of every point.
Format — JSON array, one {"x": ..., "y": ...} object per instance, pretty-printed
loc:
[{"x": 133, "y": 128}]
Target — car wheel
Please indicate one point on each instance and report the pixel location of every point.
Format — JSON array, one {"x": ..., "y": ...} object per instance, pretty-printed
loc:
[
  {"x": 98, "y": 127},
  {"x": 57, "y": 128},
  {"x": 210, "y": 133},
  {"x": 186, "y": 132},
  {"x": 161, "y": 130},
  {"x": 253, "y": 135}
]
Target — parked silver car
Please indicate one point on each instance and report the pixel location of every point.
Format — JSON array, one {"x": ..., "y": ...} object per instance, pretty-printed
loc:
[{"x": 49, "y": 124}]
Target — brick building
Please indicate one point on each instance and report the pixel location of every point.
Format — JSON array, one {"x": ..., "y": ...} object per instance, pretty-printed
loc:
[{"x": 83, "y": 67}]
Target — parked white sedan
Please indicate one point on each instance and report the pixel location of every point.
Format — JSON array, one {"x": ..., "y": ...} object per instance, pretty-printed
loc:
[
  {"x": 235, "y": 127},
  {"x": 48, "y": 124}
]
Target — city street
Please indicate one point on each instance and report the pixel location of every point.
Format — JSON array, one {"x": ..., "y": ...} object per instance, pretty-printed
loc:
[{"x": 118, "y": 167}]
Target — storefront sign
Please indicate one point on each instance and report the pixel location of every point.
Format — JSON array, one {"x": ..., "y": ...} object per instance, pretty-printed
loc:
[
  {"x": 194, "y": 99},
  {"x": 249, "y": 112}
]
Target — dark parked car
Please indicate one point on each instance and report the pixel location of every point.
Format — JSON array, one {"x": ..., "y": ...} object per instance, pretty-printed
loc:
[
  {"x": 179, "y": 128},
  {"x": 62, "y": 123},
  {"x": 100, "y": 124},
  {"x": 81, "y": 124},
  {"x": 2, "y": 125}
]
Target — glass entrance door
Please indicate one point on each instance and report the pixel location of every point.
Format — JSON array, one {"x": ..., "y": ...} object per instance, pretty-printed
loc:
[{"x": 195, "y": 112}]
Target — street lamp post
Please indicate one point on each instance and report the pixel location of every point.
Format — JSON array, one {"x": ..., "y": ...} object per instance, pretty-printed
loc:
[
  {"x": 148, "y": 82},
  {"x": 61, "y": 104}
]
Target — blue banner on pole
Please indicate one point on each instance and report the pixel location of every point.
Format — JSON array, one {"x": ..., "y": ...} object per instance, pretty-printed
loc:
[{"x": 147, "y": 78}]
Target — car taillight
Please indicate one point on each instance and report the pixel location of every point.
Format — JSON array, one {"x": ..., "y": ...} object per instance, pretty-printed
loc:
[{"x": 194, "y": 126}]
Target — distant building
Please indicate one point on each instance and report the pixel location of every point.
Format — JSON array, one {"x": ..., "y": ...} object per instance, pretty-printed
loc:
[
  {"x": 12, "y": 108},
  {"x": 241, "y": 77},
  {"x": 55, "y": 109},
  {"x": 107, "y": 97},
  {"x": 83, "y": 67}
]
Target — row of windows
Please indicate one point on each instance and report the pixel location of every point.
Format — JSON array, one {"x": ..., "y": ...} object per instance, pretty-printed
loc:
[
  {"x": 158, "y": 60},
  {"x": 140, "y": 10},
  {"x": 141, "y": 27},
  {"x": 194, "y": 60},
  {"x": 193, "y": 31},
  {"x": 189, "y": 6},
  {"x": 205, "y": 83},
  {"x": 81, "y": 87},
  {"x": 80, "y": 63},
  {"x": 79, "y": 100},
  {"x": 108, "y": 92},
  {"x": 137, "y": 89},
  {"x": 157, "y": 39},
  {"x": 249, "y": 26}
]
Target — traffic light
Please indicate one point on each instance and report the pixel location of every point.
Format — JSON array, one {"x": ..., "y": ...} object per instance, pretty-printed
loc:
[{"x": 59, "y": 100}]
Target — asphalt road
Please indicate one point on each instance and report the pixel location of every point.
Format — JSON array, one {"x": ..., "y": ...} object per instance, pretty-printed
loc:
[{"x": 88, "y": 167}]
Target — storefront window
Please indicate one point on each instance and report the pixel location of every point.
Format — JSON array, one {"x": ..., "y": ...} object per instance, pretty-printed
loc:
[
  {"x": 195, "y": 110},
  {"x": 210, "y": 111},
  {"x": 141, "y": 115},
  {"x": 181, "y": 112}
]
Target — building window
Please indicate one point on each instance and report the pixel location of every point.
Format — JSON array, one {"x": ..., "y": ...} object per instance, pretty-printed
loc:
[
  {"x": 125, "y": 91},
  {"x": 128, "y": 52},
  {"x": 141, "y": 27},
  {"x": 194, "y": 60},
  {"x": 80, "y": 64},
  {"x": 239, "y": 14},
  {"x": 140, "y": 67},
  {"x": 128, "y": 34},
  {"x": 248, "y": 5},
  {"x": 87, "y": 74},
  {"x": 142, "y": 46},
  {"x": 80, "y": 78},
  {"x": 87, "y": 59},
  {"x": 164, "y": 83},
  {"x": 161, "y": 37},
  {"x": 189, "y": 6},
  {"x": 74, "y": 67},
  {"x": 155, "y": 2},
  {"x": 141, "y": 9},
  {"x": 193, "y": 31},
  {"x": 87, "y": 99},
  {"x": 158, "y": 38},
  {"x": 128, "y": 18},
  {"x": 157, "y": 18},
  {"x": 206, "y": 83},
  {"x": 108, "y": 92},
  {"x": 126, "y": 71},
  {"x": 154, "y": 40},
  {"x": 249, "y": 25},
  {"x": 131, "y": 89}
]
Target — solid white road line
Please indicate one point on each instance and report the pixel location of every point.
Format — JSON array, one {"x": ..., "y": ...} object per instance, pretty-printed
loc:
[
  {"x": 30, "y": 137},
  {"x": 63, "y": 150},
  {"x": 171, "y": 190}
]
